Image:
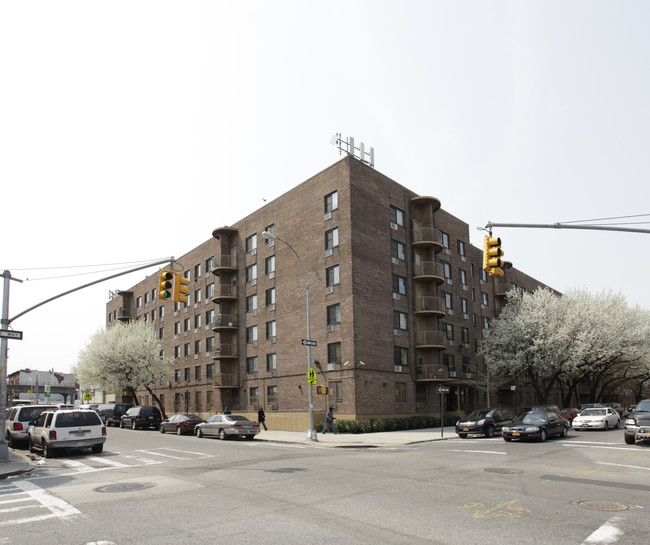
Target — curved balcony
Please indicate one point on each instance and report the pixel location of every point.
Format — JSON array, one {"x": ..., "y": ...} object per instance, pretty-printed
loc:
[
  {"x": 431, "y": 372},
  {"x": 430, "y": 304},
  {"x": 225, "y": 322},
  {"x": 226, "y": 380},
  {"x": 430, "y": 339},
  {"x": 226, "y": 351},
  {"x": 224, "y": 232},
  {"x": 423, "y": 200},
  {"x": 427, "y": 237},
  {"x": 225, "y": 264},
  {"x": 225, "y": 292},
  {"x": 429, "y": 271}
]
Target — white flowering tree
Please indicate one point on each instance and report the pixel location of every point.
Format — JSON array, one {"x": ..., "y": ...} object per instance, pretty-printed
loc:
[
  {"x": 126, "y": 355},
  {"x": 550, "y": 341}
]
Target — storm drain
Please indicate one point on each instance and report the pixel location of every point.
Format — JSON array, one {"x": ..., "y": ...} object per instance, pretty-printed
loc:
[
  {"x": 602, "y": 505},
  {"x": 124, "y": 487},
  {"x": 503, "y": 470}
]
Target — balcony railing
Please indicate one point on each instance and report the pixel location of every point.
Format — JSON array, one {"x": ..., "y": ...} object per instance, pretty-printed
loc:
[
  {"x": 434, "y": 339},
  {"x": 431, "y": 372},
  {"x": 429, "y": 270},
  {"x": 430, "y": 303},
  {"x": 427, "y": 236},
  {"x": 124, "y": 314},
  {"x": 225, "y": 291},
  {"x": 226, "y": 350},
  {"x": 226, "y": 380},
  {"x": 226, "y": 321}
]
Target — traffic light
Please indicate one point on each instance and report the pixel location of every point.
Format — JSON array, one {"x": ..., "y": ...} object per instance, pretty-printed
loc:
[
  {"x": 492, "y": 255},
  {"x": 166, "y": 285},
  {"x": 181, "y": 289},
  {"x": 322, "y": 390}
]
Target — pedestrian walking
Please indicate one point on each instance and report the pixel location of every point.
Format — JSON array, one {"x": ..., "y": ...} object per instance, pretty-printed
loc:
[
  {"x": 329, "y": 421},
  {"x": 261, "y": 418},
  {"x": 226, "y": 410}
]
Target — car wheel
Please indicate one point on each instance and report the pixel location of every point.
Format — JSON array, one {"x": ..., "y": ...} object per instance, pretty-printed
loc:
[
  {"x": 178, "y": 430},
  {"x": 462, "y": 435},
  {"x": 629, "y": 439},
  {"x": 222, "y": 434},
  {"x": 507, "y": 439},
  {"x": 606, "y": 427},
  {"x": 30, "y": 444},
  {"x": 542, "y": 435},
  {"x": 199, "y": 433},
  {"x": 48, "y": 451},
  {"x": 134, "y": 426},
  {"x": 11, "y": 442},
  {"x": 122, "y": 424},
  {"x": 97, "y": 449},
  {"x": 162, "y": 428},
  {"x": 250, "y": 437},
  {"x": 565, "y": 432},
  {"x": 618, "y": 424},
  {"x": 489, "y": 431}
]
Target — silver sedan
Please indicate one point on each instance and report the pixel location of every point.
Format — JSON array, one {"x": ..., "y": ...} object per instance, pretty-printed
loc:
[{"x": 228, "y": 425}]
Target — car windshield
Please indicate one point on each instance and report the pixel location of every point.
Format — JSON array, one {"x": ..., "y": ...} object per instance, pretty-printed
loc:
[
  {"x": 643, "y": 407},
  {"x": 236, "y": 418},
  {"x": 476, "y": 415},
  {"x": 532, "y": 418},
  {"x": 593, "y": 412},
  {"x": 192, "y": 417}
]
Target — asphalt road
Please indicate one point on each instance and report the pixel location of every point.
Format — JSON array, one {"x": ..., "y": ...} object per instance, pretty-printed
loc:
[{"x": 148, "y": 488}]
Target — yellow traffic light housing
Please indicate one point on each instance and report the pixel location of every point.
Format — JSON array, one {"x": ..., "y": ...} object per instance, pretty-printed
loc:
[
  {"x": 181, "y": 288},
  {"x": 321, "y": 390},
  {"x": 492, "y": 253},
  {"x": 166, "y": 284}
]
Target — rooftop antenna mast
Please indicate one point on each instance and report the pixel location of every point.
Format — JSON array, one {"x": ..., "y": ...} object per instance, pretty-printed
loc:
[{"x": 347, "y": 146}]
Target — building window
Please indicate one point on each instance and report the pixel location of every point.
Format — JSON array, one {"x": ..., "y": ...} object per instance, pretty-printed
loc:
[
  {"x": 269, "y": 264},
  {"x": 209, "y": 264},
  {"x": 138, "y": 302},
  {"x": 186, "y": 352},
  {"x": 401, "y": 355},
  {"x": 400, "y": 392},
  {"x": 446, "y": 267},
  {"x": 197, "y": 272},
  {"x": 209, "y": 317},
  {"x": 209, "y": 291},
  {"x": 251, "y": 334},
  {"x": 197, "y": 401},
  {"x": 251, "y": 243},
  {"x": 271, "y": 362},
  {"x": 334, "y": 353},
  {"x": 270, "y": 330},
  {"x": 445, "y": 240},
  {"x": 399, "y": 285},
  {"x": 186, "y": 325},
  {"x": 272, "y": 396},
  {"x": 396, "y": 216},
  {"x": 449, "y": 332},
  {"x": 209, "y": 344},
  {"x": 466, "y": 366},
  {"x": 197, "y": 373},
  {"x": 463, "y": 305},
  {"x": 449, "y": 362},
  {"x": 177, "y": 328},
  {"x": 397, "y": 250},
  {"x": 331, "y": 201},
  {"x": 400, "y": 320},
  {"x": 484, "y": 299},
  {"x": 270, "y": 297},
  {"x": 332, "y": 276},
  {"x": 177, "y": 353},
  {"x": 197, "y": 321},
  {"x": 209, "y": 371},
  {"x": 463, "y": 276},
  {"x": 254, "y": 397},
  {"x": 251, "y": 303},
  {"x": 334, "y": 314},
  {"x": 251, "y": 273},
  {"x": 336, "y": 391},
  {"x": 464, "y": 335},
  {"x": 197, "y": 347},
  {"x": 448, "y": 300},
  {"x": 186, "y": 374},
  {"x": 483, "y": 276},
  {"x": 270, "y": 241},
  {"x": 486, "y": 322},
  {"x": 332, "y": 238},
  {"x": 251, "y": 364},
  {"x": 197, "y": 295},
  {"x": 461, "y": 248},
  {"x": 161, "y": 333}
]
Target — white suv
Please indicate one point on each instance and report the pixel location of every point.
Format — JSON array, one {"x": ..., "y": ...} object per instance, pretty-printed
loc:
[
  {"x": 66, "y": 429},
  {"x": 18, "y": 419}
]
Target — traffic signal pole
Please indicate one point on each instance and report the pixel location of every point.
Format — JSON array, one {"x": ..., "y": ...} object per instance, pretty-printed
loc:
[
  {"x": 6, "y": 322},
  {"x": 565, "y": 226}
]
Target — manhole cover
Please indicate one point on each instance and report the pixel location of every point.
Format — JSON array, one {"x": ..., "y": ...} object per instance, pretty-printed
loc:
[
  {"x": 602, "y": 505},
  {"x": 503, "y": 470},
  {"x": 124, "y": 487}
]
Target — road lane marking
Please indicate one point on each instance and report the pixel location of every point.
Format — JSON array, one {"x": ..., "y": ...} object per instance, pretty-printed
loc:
[
  {"x": 624, "y": 465},
  {"x": 608, "y": 533},
  {"x": 480, "y": 451},
  {"x": 506, "y": 509},
  {"x": 56, "y": 507}
]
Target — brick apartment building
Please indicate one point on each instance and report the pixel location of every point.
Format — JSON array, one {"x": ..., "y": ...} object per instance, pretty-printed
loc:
[{"x": 398, "y": 302}]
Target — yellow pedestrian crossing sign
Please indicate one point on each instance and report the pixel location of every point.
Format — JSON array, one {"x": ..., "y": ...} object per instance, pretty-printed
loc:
[{"x": 311, "y": 376}]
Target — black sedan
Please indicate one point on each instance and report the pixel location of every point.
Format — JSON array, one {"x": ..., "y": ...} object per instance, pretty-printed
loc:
[
  {"x": 536, "y": 425},
  {"x": 484, "y": 422},
  {"x": 180, "y": 424}
]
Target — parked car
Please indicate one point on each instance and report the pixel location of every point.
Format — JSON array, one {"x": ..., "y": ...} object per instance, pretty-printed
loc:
[
  {"x": 18, "y": 419},
  {"x": 597, "y": 418},
  {"x": 569, "y": 414},
  {"x": 639, "y": 419},
  {"x": 111, "y": 413},
  {"x": 91, "y": 406},
  {"x": 541, "y": 408},
  {"x": 484, "y": 422},
  {"x": 588, "y": 406},
  {"x": 141, "y": 417},
  {"x": 228, "y": 425},
  {"x": 616, "y": 406},
  {"x": 66, "y": 429},
  {"x": 536, "y": 425},
  {"x": 180, "y": 423}
]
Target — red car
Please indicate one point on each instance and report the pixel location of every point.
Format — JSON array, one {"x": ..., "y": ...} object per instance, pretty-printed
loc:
[
  {"x": 181, "y": 424},
  {"x": 569, "y": 414}
]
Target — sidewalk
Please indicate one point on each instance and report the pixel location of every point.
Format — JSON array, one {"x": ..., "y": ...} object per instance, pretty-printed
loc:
[{"x": 19, "y": 463}]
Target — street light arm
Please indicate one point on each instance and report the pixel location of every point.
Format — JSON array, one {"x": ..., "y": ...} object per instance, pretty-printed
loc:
[{"x": 267, "y": 235}]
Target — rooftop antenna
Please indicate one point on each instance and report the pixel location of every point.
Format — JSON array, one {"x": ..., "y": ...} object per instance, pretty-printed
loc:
[{"x": 347, "y": 146}]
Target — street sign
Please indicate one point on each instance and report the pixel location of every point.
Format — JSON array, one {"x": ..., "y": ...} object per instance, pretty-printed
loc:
[
  {"x": 311, "y": 376},
  {"x": 305, "y": 342},
  {"x": 443, "y": 390},
  {"x": 11, "y": 334}
]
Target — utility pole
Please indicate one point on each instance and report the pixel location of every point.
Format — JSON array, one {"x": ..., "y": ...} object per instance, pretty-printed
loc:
[
  {"x": 565, "y": 226},
  {"x": 6, "y": 333}
]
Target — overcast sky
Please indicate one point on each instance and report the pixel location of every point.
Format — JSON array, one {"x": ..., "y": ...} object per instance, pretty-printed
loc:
[{"x": 110, "y": 112}]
